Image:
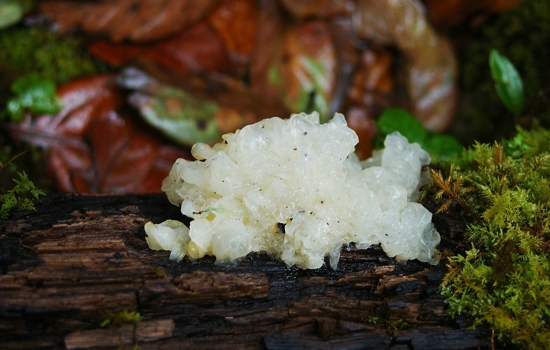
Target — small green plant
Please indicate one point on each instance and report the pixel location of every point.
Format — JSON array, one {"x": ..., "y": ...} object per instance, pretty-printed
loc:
[
  {"x": 521, "y": 35},
  {"x": 33, "y": 94},
  {"x": 441, "y": 147},
  {"x": 21, "y": 196},
  {"x": 508, "y": 84},
  {"x": 502, "y": 279}
]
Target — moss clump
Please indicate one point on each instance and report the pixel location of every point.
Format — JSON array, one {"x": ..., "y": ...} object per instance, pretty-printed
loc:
[
  {"x": 41, "y": 52},
  {"x": 503, "y": 280}
]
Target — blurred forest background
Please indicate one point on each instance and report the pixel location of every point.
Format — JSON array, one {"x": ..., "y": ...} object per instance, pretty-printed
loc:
[{"x": 103, "y": 96}]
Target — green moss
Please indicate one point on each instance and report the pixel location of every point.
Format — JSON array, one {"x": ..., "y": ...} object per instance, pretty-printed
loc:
[
  {"x": 503, "y": 280},
  {"x": 122, "y": 317},
  {"x": 41, "y": 52}
]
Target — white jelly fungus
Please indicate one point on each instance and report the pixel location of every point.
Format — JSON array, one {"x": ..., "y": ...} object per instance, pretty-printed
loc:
[{"x": 295, "y": 189}]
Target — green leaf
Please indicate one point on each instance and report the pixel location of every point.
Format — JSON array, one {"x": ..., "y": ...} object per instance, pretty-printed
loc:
[
  {"x": 11, "y": 11},
  {"x": 33, "y": 94},
  {"x": 508, "y": 83},
  {"x": 440, "y": 147},
  {"x": 395, "y": 119}
]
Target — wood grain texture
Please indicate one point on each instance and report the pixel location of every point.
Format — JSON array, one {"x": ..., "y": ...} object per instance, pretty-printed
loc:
[{"x": 79, "y": 259}]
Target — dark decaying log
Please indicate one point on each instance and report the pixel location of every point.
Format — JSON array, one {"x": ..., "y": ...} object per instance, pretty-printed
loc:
[{"x": 78, "y": 260}]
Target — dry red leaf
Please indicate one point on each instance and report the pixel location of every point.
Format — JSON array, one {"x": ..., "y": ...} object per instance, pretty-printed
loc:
[
  {"x": 196, "y": 49},
  {"x": 374, "y": 75},
  {"x": 445, "y": 14},
  {"x": 371, "y": 91},
  {"x": 296, "y": 63},
  {"x": 318, "y": 8},
  {"x": 137, "y": 21},
  {"x": 362, "y": 122},
  {"x": 236, "y": 22},
  {"x": 92, "y": 147}
]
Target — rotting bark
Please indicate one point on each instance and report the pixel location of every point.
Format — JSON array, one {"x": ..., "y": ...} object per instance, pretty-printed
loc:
[{"x": 67, "y": 267}]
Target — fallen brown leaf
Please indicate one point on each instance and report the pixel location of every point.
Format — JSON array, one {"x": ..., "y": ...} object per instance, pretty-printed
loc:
[
  {"x": 236, "y": 22},
  {"x": 137, "y": 21},
  {"x": 196, "y": 49},
  {"x": 296, "y": 63},
  {"x": 445, "y": 14},
  {"x": 318, "y": 8},
  {"x": 91, "y": 146}
]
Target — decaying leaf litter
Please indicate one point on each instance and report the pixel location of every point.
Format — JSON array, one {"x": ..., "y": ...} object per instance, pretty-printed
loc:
[{"x": 224, "y": 64}]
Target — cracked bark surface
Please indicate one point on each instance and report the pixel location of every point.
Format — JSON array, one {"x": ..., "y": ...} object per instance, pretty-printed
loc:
[{"x": 78, "y": 259}]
